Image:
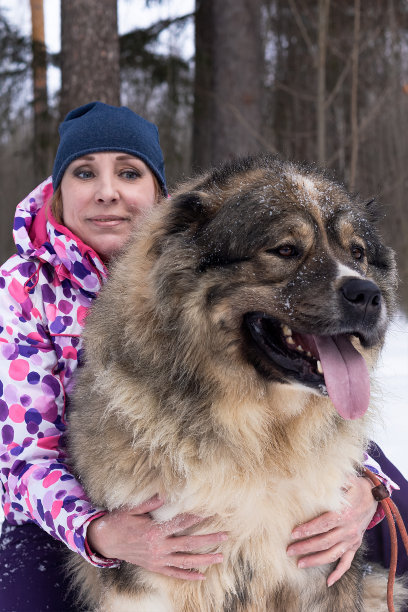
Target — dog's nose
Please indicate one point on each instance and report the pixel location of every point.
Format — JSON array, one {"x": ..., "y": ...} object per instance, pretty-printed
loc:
[{"x": 362, "y": 294}]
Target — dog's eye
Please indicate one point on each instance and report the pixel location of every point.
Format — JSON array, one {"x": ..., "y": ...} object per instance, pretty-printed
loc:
[
  {"x": 357, "y": 252},
  {"x": 284, "y": 250},
  {"x": 287, "y": 250}
]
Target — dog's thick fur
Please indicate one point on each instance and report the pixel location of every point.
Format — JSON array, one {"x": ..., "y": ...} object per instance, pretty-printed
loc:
[{"x": 184, "y": 392}]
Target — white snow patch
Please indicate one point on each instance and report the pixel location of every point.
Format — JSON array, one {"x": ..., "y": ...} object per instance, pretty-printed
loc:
[{"x": 392, "y": 374}]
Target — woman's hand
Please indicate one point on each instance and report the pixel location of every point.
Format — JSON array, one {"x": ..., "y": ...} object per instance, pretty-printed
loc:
[
  {"x": 133, "y": 536},
  {"x": 332, "y": 535}
]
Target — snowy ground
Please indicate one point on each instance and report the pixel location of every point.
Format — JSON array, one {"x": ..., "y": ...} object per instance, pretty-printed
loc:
[
  {"x": 392, "y": 375},
  {"x": 392, "y": 396}
]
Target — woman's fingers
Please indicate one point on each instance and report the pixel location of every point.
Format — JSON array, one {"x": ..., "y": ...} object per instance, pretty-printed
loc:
[
  {"x": 341, "y": 568},
  {"x": 183, "y": 565},
  {"x": 321, "y": 524},
  {"x": 336, "y": 535},
  {"x": 191, "y": 562},
  {"x": 178, "y": 523},
  {"x": 135, "y": 537},
  {"x": 195, "y": 542},
  {"x": 175, "y": 572},
  {"x": 349, "y": 539},
  {"x": 315, "y": 544},
  {"x": 149, "y": 505},
  {"x": 322, "y": 558}
]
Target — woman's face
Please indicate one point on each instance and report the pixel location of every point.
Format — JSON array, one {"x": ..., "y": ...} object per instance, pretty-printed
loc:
[{"x": 103, "y": 196}]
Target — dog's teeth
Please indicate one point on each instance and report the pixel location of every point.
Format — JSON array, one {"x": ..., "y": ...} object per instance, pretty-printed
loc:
[
  {"x": 286, "y": 331},
  {"x": 308, "y": 354},
  {"x": 290, "y": 340},
  {"x": 319, "y": 367},
  {"x": 299, "y": 348}
]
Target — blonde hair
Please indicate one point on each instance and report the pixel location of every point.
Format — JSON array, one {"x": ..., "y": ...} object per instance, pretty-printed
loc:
[{"x": 57, "y": 206}]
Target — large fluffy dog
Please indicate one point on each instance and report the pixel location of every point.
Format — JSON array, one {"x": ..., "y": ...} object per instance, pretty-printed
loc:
[{"x": 226, "y": 370}]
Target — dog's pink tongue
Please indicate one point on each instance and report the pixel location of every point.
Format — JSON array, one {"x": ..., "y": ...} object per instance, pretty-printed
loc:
[{"x": 345, "y": 374}]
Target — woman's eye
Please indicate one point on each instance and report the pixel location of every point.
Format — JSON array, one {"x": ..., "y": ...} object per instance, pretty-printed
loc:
[
  {"x": 83, "y": 174},
  {"x": 357, "y": 252},
  {"x": 130, "y": 175}
]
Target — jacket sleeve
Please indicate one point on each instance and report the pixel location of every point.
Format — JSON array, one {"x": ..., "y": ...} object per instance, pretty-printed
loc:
[
  {"x": 38, "y": 486},
  {"x": 374, "y": 467}
]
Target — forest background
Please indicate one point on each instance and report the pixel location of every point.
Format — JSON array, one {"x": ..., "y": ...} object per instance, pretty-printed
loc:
[{"x": 320, "y": 81}]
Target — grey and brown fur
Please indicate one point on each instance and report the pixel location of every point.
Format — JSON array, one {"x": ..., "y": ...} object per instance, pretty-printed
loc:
[{"x": 176, "y": 398}]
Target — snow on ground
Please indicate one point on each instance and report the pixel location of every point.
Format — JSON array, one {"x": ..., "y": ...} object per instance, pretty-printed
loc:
[
  {"x": 392, "y": 396},
  {"x": 392, "y": 375}
]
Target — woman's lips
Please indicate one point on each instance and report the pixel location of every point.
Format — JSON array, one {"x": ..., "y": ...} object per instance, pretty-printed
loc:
[{"x": 108, "y": 221}]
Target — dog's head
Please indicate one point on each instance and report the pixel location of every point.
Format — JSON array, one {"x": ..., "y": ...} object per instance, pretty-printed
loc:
[{"x": 284, "y": 273}]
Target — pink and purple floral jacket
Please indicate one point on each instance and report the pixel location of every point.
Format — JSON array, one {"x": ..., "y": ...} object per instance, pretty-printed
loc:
[{"x": 45, "y": 292}]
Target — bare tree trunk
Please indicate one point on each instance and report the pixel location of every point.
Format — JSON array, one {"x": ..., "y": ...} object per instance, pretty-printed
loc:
[
  {"x": 354, "y": 97},
  {"x": 41, "y": 115},
  {"x": 203, "y": 85},
  {"x": 228, "y": 81},
  {"x": 324, "y": 6},
  {"x": 89, "y": 53},
  {"x": 398, "y": 222}
]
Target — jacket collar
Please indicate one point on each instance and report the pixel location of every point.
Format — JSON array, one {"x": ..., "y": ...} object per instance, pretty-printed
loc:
[{"x": 38, "y": 235}]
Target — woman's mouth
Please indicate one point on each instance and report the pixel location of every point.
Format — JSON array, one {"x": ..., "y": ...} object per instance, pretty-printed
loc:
[{"x": 108, "y": 220}]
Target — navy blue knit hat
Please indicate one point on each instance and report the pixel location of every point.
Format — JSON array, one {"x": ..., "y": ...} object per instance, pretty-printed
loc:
[{"x": 96, "y": 127}]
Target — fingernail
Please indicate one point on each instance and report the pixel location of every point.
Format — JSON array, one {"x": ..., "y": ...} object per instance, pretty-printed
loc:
[
  {"x": 295, "y": 535},
  {"x": 301, "y": 564},
  {"x": 290, "y": 552},
  {"x": 330, "y": 582},
  {"x": 223, "y": 537}
]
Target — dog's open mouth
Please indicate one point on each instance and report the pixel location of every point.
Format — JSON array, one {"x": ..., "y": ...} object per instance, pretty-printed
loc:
[{"x": 328, "y": 363}]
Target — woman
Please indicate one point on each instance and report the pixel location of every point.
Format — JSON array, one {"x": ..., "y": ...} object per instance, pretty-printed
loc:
[{"x": 108, "y": 171}]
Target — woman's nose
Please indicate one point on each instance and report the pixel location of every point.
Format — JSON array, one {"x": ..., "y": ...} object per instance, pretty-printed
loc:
[{"x": 106, "y": 191}]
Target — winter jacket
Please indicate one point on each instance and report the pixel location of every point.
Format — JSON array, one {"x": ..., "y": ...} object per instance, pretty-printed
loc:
[{"x": 45, "y": 292}]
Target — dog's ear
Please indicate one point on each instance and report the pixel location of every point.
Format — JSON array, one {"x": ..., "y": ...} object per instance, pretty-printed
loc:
[
  {"x": 373, "y": 210},
  {"x": 189, "y": 211},
  {"x": 186, "y": 214}
]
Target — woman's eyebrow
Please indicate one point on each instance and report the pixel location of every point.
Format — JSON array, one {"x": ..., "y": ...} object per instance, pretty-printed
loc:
[
  {"x": 124, "y": 157},
  {"x": 87, "y": 157}
]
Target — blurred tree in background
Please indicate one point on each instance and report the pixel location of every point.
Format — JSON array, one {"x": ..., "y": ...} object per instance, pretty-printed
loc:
[
  {"x": 159, "y": 87},
  {"x": 41, "y": 119},
  {"x": 228, "y": 114},
  {"x": 89, "y": 53},
  {"x": 323, "y": 81},
  {"x": 16, "y": 161},
  {"x": 364, "y": 109}
]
